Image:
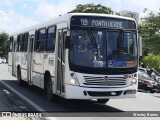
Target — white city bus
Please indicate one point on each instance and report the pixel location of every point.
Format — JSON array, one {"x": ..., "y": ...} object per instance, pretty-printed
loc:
[{"x": 78, "y": 56}]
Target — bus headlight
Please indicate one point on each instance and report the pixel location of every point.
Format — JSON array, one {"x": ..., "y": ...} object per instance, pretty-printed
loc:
[
  {"x": 126, "y": 76},
  {"x": 134, "y": 80},
  {"x": 73, "y": 79},
  {"x": 132, "y": 77}
]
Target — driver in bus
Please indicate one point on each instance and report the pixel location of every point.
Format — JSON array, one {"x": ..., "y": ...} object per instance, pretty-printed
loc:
[
  {"x": 84, "y": 54},
  {"x": 38, "y": 46}
]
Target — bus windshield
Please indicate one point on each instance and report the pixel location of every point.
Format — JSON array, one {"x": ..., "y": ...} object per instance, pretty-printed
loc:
[{"x": 96, "y": 48}]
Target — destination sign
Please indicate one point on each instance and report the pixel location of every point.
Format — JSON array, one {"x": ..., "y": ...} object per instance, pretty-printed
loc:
[{"x": 103, "y": 22}]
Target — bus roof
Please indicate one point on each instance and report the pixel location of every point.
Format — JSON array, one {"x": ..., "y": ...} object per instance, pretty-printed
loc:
[
  {"x": 102, "y": 15},
  {"x": 66, "y": 18}
]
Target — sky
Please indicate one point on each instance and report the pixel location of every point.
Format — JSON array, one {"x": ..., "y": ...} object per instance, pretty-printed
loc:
[{"x": 19, "y": 14}]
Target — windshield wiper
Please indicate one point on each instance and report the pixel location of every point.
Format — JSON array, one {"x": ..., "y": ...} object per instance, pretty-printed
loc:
[
  {"x": 120, "y": 39},
  {"x": 93, "y": 41},
  {"x": 120, "y": 42}
]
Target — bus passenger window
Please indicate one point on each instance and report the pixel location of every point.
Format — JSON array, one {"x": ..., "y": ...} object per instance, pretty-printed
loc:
[
  {"x": 10, "y": 44},
  {"x": 41, "y": 41},
  {"x": 19, "y": 40},
  {"x": 24, "y": 43},
  {"x": 50, "y": 46},
  {"x": 38, "y": 46}
]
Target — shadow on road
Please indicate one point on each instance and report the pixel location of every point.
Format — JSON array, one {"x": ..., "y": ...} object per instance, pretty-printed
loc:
[
  {"x": 157, "y": 96},
  {"x": 85, "y": 106},
  {"x": 60, "y": 105}
]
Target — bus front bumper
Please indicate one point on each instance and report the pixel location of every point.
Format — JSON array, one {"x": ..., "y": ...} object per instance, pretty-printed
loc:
[{"x": 77, "y": 92}]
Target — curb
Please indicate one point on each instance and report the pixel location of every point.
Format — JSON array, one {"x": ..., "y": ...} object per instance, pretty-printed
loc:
[{"x": 37, "y": 107}]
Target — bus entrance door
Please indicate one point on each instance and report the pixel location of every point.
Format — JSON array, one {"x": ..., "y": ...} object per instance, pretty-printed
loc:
[
  {"x": 14, "y": 57},
  {"x": 29, "y": 65},
  {"x": 61, "y": 61}
]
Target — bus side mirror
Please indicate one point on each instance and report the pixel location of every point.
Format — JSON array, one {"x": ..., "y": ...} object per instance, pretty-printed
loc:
[
  {"x": 139, "y": 45},
  {"x": 67, "y": 42}
]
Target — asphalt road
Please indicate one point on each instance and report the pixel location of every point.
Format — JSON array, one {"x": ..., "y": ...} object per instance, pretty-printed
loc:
[{"x": 143, "y": 104}]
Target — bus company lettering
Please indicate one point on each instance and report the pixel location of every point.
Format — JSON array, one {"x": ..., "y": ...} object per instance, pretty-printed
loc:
[{"x": 101, "y": 23}]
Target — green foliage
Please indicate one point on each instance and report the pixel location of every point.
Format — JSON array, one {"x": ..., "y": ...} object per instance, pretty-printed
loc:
[
  {"x": 150, "y": 31},
  {"x": 3, "y": 43},
  {"x": 127, "y": 15},
  {"x": 152, "y": 61},
  {"x": 92, "y": 8}
]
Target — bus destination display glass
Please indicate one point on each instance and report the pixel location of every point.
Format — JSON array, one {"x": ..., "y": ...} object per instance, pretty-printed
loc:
[{"x": 102, "y": 22}]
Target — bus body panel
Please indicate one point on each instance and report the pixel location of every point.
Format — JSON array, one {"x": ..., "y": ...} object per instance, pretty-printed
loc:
[
  {"x": 49, "y": 66},
  {"x": 24, "y": 66},
  {"x": 76, "y": 92},
  {"x": 49, "y": 63}
]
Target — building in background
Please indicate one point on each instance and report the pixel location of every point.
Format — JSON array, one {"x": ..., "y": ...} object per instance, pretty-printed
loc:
[{"x": 131, "y": 14}]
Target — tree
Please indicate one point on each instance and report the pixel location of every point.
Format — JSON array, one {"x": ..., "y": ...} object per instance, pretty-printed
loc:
[
  {"x": 150, "y": 31},
  {"x": 152, "y": 61},
  {"x": 3, "y": 43},
  {"x": 92, "y": 8}
]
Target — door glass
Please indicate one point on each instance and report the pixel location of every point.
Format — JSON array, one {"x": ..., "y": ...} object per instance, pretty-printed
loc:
[{"x": 59, "y": 73}]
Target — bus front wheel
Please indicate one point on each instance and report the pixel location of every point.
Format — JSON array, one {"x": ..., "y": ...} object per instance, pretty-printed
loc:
[
  {"x": 49, "y": 91},
  {"x": 19, "y": 80},
  {"x": 103, "y": 101}
]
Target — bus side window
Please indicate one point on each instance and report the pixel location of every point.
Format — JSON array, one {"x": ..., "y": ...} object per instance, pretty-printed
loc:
[
  {"x": 35, "y": 41},
  {"x": 38, "y": 46},
  {"x": 19, "y": 43},
  {"x": 41, "y": 40},
  {"x": 10, "y": 44},
  {"x": 50, "y": 43},
  {"x": 17, "y": 49},
  {"x": 24, "y": 42}
]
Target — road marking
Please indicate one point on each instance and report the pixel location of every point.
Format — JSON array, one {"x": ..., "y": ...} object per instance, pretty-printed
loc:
[{"x": 23, "y": 97}]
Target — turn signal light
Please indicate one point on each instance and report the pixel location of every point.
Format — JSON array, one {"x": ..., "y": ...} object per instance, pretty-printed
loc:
[{"x": 128, "y": 76}]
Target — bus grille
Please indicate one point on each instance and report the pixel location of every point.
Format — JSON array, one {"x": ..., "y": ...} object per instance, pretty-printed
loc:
[
  {"x": 98, "y": 94},
  {"x": 104, "y": 81}
]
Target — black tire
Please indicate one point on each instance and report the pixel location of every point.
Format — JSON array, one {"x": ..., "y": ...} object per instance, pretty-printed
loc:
[
  {"x": 152, "y": 91},
  {"x": 102, "y": 100},
  {"x": 48, "y": 88},
  {"x": 19, "y": 80}
]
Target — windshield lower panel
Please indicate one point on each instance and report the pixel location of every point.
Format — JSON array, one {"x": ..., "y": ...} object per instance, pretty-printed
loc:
[{"x": 103, "y": 49}]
